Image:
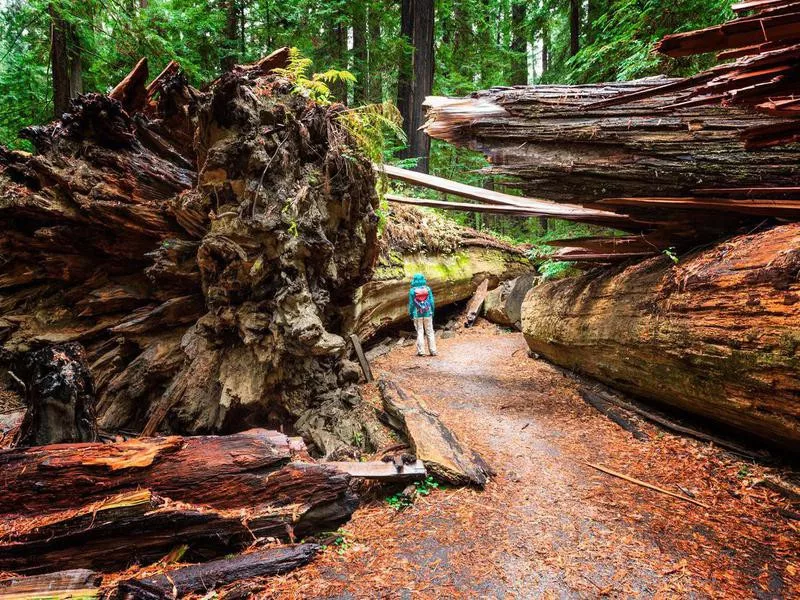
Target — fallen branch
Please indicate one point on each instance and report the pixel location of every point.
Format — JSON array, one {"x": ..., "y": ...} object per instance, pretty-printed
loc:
[
  {"x": 645, "y": 484},
  {"x": 597, "y": 402}
]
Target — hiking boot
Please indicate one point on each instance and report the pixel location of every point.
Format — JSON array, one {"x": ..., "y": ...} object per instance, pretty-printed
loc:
[
  {"x": 420, "y": 354},
  {"x": 434, "y": 354}
]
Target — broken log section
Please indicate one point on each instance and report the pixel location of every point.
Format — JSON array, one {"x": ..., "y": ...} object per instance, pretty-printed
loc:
[
  {"x": 715, "y": 335},
  {"x": 178, "y": 583},
  {"x": 430, "y": 440},
  {"x": 362, "y": 359},
  {"x": 213, "y": 493}
]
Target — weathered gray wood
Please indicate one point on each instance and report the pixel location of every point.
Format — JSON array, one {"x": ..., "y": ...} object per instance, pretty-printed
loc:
[
  {"x": 383, "y": 471},
  {"x": 433, "y": 443},
  {"x": 80, "y": 584},
  {"x": 362, "y": 359}
]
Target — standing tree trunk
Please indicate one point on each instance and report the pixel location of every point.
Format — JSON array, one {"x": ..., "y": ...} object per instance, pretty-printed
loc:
[
  {"x": 415, "y": 81},
  {"x": 373, "y": 64},
  {"x": 519, "y": 45},
  {"x": 360, "y": 58},
  {"x": 65, "y": 62},
  {"x": 574, "y": 27},
  {"x": 231, "y": 35}
]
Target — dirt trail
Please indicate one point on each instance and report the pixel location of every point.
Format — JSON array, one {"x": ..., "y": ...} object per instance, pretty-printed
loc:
[{"x": 548, "y": 525}]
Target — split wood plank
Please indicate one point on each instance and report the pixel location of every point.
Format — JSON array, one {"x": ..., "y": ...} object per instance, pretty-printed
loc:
[
  {"x": 75, "y": 583},
  {"x": 383, "y": 471},
  {"x": 539, "y": 207},
  {"x": 362, "y": 359}
]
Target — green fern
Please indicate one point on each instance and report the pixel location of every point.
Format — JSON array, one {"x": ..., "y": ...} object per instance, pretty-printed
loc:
[
  {"x": 315, "y": 87},
  {"x": 372, "y": 128}
]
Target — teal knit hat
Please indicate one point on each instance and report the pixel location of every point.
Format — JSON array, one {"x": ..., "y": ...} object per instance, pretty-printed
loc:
[{"x": 418, "y": 280}]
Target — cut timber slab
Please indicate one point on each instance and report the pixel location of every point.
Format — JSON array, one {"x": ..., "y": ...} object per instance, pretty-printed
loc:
[
  {"x": 76, "y": 583},
  {"x": 383, "y": 471},
  {"x": 203, "y": 577},
  {"x": 433, "y": 443}
]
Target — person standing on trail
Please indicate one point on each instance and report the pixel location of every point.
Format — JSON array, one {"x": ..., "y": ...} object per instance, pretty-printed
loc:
[{"x": 420, "y": 309}]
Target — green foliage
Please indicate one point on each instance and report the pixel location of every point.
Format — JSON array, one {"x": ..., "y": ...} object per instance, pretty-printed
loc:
[
  {"x": 670, "y": 254},
  {"x": 401, "y": 501},
  {"x": 316, "y": 87},
  {"x": 375, "y": 128}
]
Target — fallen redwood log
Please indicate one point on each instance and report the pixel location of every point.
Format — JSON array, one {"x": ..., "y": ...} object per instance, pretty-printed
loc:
[
  {"x": 717, "y": 335},
  {"x": 563, "y": 148},
  {"x": 225, "y": 472},
  {"x": 503, "y": 305},
  {"x": 447, "y": 458},
  {"x": 213, "y": 575}
]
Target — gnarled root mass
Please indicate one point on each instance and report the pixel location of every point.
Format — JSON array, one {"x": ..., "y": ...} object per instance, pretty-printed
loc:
[{"x": 204, "y": 248}]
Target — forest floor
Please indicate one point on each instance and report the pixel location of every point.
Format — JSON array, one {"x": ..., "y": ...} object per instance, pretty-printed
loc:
[{"x": 548, "y": 525}]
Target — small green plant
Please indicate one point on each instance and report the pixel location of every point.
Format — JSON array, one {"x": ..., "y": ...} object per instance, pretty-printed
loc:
[
  {"x": 358, "y": 439},
  {"x": 744, "y": 471},
  {"x": 426, "y": 486},
  {"x": 670, "y": 254},
  {"x": 342, "y": 544},
  {"x": 399, "y": 501},
  {"x": 373, "y": 128},
  {"x": 553, "y": 269}
]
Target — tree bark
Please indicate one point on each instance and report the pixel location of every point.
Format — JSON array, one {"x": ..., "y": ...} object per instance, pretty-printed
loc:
[
  {"x": 230, "y": 35},
  {"x": 519, "y": 44},
  {"x": 574, "y": 27},
  {"x": 374, "y": 66},
  {"x": 65, "y": 62},
  {"x": 361, "y": 70},
  {"x": 415, "y": 81},
  {"x": 59, "y": 394},
  {"x": 715, "y": 335}
]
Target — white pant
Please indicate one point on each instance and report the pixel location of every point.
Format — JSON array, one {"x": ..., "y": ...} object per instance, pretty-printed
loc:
[{"x": 424, "y": 327}]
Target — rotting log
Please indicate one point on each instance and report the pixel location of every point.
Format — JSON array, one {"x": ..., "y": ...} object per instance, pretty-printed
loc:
[
  {"x": 204, "y": 248},
  {"x": 430, "y": 440},
  {"x": 149, "y": 527},
  {"x": 717, "y": 335},
  {"x": 223, "y": 472},
  {"x": 212, "y": 575},
  {"x": 79, "y": 584}
]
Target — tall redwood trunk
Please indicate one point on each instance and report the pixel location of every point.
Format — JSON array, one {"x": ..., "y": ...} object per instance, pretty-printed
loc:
[
  {"x": 231, "y": 35},
  {"x": 360, "y": 57},
  {"x": 337, "y": 53},
  {"x": 574, "y": 26},
  {"x": 373, "y": 66},
  {"x": 59, "y": 62},
  {"x": 415, "y": 81},
  {"x": 519, "y": 45}
]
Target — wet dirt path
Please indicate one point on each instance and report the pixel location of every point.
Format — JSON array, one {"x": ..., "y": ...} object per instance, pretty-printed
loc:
[{"x": 549, "y": 526}]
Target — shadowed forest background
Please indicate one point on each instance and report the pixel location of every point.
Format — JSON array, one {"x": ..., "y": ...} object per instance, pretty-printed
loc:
[{"x": 50, "y": 51}]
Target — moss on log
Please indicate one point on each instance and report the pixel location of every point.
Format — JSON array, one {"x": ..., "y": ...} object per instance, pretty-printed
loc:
[{"x": 717, "y": 335}]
